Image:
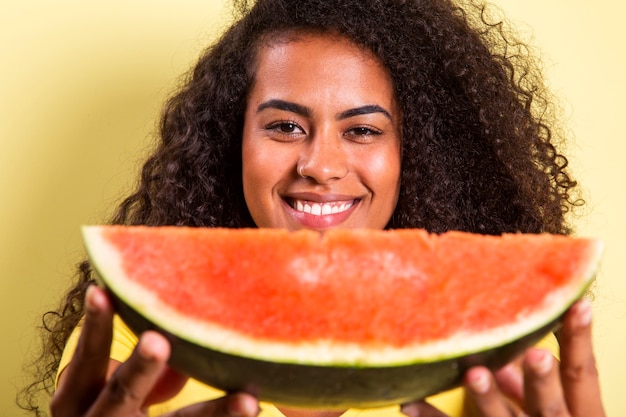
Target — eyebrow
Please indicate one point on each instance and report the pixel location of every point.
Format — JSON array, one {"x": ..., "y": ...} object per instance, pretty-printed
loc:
[
  {"x": 368, "y": 109},
  {"x": 306, "y": 111},
  {"x": 286, "y": 106}
]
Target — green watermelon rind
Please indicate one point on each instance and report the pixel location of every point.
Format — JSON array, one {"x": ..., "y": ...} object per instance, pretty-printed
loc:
[
  {"x": 327, "y": 387},
  {"x": 310, "y": 380},
  {"x": 142, "y": 300}
]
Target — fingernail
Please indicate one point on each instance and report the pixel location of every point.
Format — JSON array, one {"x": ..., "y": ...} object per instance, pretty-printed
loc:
[
  {"x": 411, "y": 410},
  {"x": 91, "y": 300},
  {"x": 153, "y": 347},
  {"x": 242, "y": 406},
  {"x": 583, "y": 313},
  {"x": 479, "y": 382},
  {"x": 541, "y": 362}
]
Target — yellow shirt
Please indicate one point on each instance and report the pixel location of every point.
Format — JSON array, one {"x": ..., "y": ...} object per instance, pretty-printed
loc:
[{"x": 452, "y": 402}]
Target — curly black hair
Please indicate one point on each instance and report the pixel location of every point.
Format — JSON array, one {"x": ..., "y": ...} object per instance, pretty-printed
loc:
[{"x": 479, "y": 140}]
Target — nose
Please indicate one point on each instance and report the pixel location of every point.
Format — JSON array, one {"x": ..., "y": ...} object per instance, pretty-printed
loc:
[{"x": 323, "y": 158}]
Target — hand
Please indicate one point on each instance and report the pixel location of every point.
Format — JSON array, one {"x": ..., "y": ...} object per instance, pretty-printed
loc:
[
  {"x": 537, "y": 385},
  {"x": 93, "y": 385}
]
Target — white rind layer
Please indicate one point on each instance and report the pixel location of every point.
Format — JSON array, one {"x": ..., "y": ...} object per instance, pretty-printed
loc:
[{"x": 320, "y": 352}]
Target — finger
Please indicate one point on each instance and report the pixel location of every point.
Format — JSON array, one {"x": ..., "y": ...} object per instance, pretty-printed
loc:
[
  {"x": 234, "y": 405},
  {"x": 579, "y": 374},
  {"x": 486, "y": 395},
  {"x": 543, "y": 390},
  {"x": 128, "y": 388},
  {"x": 510, "y": 380},
  {"x": 169, "y": 383},
  {"x": 84, "y": 377},
  {"x": 421, "y": 409}
]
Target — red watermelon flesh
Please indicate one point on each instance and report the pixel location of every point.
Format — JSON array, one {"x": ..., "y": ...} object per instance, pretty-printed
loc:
[{"x": 372, "y": 298}]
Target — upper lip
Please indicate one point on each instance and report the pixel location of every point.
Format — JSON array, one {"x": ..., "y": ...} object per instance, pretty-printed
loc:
[
  {"x": 320, "y": 204},
  {"x": 320, "y": 198}
]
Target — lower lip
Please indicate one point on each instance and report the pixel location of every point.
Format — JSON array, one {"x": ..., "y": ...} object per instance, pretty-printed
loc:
[{"x": 326, "y": 221}]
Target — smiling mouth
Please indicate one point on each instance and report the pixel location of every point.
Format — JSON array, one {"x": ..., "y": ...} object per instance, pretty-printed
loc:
[{"x": 321, "y": 209}]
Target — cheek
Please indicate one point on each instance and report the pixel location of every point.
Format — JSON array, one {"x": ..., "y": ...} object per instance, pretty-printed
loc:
[
  {"x": 250, "y": 176},
  {"x": 263, "y": 173},
  {"x": 262, "y": 165},
  {"x": 253, "y": 158},
  {"x": 384, "y": 172},
  {"x": 249, "y": 167}
]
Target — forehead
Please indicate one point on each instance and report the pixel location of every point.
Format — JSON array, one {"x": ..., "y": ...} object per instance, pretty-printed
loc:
[
  {"x": 272, "y": 46},
  {"x": 317, "y": 62}
]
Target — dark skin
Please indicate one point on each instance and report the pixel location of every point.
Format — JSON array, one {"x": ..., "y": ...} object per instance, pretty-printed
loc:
[
  {"x": 93, "y": 385},
  {"x": 537, "y": 384}
]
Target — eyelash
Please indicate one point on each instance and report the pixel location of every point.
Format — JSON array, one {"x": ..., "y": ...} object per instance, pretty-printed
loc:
[
  {"x": 365, "y": 131},
  {"x": 355, "y": 132},
  {"x": 281, "y": 124}
]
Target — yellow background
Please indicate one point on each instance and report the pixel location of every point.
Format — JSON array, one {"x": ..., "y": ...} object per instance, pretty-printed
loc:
[{"x": 81, "y": 85}]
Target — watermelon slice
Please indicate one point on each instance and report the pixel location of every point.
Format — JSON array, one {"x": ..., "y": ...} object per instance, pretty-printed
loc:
[{"x": 356, "y": 318}]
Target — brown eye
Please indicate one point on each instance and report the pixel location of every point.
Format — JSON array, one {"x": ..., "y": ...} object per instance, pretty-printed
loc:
[
  {"x": 285, "y": 131},
  {"x": 285, "y": 127},
  {"x": 364, "y": 134},
  {"x": 362, "y": 131},
  {"x": 288, "y": 127}
]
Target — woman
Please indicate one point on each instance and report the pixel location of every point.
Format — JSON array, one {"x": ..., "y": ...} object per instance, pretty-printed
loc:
[{"x": 321, "y": 114}]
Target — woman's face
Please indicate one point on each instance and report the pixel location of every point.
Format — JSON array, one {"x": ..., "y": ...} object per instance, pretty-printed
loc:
[{"x": 321, "y": 137}]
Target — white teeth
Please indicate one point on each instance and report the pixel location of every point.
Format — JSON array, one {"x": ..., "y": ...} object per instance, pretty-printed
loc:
[{"x": 321, "y": 209}]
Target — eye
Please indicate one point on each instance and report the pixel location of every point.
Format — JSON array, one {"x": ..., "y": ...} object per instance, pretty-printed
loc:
[
  {"x": 285, "y": 131},
  {"x": 362, "y": 133},
  {"x": 285, "y": 127}
]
